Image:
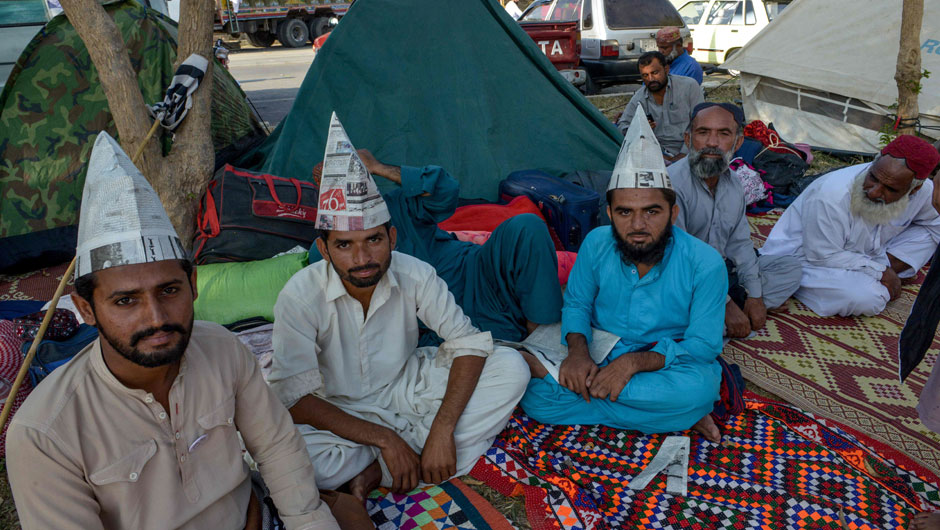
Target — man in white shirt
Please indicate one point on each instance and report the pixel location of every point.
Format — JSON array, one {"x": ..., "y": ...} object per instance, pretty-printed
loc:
[
  {"x": 373, "y": 408},
  {"x": 512, "y": 8},
  {"x": 860, "y": 229}
]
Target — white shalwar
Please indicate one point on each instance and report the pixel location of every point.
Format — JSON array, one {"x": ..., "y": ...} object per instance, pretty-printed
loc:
[
  {"x": 370, "y": 366},
  {"x": 843, "y": 256}
]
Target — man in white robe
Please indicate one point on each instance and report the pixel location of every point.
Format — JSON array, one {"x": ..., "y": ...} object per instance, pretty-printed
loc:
[
  {"x": 373, "y": 408},
  {"x": 860, "y": 229}
]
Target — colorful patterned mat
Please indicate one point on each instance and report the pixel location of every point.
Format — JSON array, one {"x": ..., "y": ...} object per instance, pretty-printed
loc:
[
  {"x": 843, "y": 368},
  {"x": 776, "y": 468},
  {"x": 37, "y": 285},
  {"x": 449, "y": 505}
]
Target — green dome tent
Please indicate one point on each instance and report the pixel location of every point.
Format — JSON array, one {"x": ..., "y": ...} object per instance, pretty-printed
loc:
[
  {"x": 453, "y": 83},
  {"x": 53, "y": 106}
]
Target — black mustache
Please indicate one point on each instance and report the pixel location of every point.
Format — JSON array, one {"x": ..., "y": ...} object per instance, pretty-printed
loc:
[
  {"x": 364, "y": 268},
  {"x": 639, "y": 234},
  {"x": 141, "y": 335}
]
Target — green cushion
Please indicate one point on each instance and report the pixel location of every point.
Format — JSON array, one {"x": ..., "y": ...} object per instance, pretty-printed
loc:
[{"x": 229, "y": 292}]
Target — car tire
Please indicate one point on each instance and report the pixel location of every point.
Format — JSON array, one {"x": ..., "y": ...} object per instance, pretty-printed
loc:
[
  {"x": 589, "y": 88},
  {"x": 317, "y": 26},
  {"x": 261, "y": 39},
  {"x": 292, "y": 33},
  {"x": 730, "y": 54}
]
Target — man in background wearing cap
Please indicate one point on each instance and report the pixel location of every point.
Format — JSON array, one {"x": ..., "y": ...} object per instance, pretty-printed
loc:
[
  {"x": 661, "y": 291},
  {"x": 372, "y": 407},
  {"x": 667, "y": 101},
  {"x": 140, "y": 429},
  {"x": 507, "y": 286},
  {"x": 669, "y": 41},
  {"x": 712, "y": 208},
  {"x": 860, "y": 229}
]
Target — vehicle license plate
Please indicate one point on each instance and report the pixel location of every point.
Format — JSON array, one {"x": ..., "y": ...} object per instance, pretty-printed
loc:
[{"x": 648, "y": 45}]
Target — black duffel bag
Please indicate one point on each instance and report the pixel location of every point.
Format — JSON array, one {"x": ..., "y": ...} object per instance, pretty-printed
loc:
[{"x": 246, "y": 216}]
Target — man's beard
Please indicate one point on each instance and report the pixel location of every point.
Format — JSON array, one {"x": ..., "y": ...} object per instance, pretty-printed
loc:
[
  {"x": 151, "y": 360},
  {"x": 704, "y": 167},
  {"x": 365, "y": 282},
  {"x": 654, "y": 86},
  {"x": 648, "y": 253},
  {"x": 874, "y": 212},
  {"x": 673, "y": 55}
]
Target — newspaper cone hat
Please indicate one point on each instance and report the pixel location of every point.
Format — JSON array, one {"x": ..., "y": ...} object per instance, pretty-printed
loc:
[
  {"x": 640, "y": 161},
  {"x": 349, "y": 198},
  {"x": 122, "y": 220}
]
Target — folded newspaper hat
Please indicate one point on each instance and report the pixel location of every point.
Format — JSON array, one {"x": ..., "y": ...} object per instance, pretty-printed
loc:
[
  {"x": 349, "y": 198},
  {"x": 122, "y": 220},
  {"x": 640, "y": 161}
]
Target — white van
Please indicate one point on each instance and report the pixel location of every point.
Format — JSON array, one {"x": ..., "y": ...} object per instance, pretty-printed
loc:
[
  {"x": 721, "y": 27},
  {"x": 614, "y": 33}
]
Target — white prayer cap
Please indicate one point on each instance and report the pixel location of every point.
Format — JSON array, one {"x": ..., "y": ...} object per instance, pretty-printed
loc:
[
  {"x": 122, "y": 220},
  {"x": 349, "y": 198},
  {"x": 640, "y": 161}
]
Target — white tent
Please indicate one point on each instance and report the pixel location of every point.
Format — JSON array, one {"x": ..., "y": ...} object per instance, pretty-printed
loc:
[{"x": 823, "y": 72}]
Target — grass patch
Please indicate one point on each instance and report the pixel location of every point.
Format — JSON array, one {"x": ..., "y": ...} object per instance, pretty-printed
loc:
[{"x": 8, "y": 517}]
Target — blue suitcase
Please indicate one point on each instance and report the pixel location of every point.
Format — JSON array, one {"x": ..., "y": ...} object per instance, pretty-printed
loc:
[{"x": 570, "y": 210}]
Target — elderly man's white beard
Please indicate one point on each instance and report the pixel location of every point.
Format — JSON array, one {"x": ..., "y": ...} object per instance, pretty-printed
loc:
[
  {"x": 874, "y": 212},
  {"x": 704, "y": 168},
  {"x": 672, "y": 55}
]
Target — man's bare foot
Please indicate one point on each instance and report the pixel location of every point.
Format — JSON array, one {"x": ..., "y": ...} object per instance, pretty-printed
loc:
[
  {"x": 706, "y": 426},
  {"x": 535, "y": 367},
  {"x": 362, "y": 484},
  {"x": 925, "y": 521}
]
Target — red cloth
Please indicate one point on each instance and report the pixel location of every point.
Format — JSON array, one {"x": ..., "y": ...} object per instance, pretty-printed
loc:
[
  {"x": 10, "y": 361},
  {"x": 487, "y": 217},
  {"x": 920, "y": 156},
  {"x": 565, "y": 259}
]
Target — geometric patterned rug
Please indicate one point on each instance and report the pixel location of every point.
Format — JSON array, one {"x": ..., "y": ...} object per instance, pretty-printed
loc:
[
  {"x": 36, "y": 285},
  {"x": 448, "y": 505},
  {"x": 843, "y": 368},
  {"x": 776, "y": 468}
]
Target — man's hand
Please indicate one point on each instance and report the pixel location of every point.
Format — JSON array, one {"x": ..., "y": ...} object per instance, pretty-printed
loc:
[
  {"x": 403, "y": 463},
  {"x": 578, "y": 369},
  {"x": 890, "y": 280},
  {"x": 737, "y": 324},
  {"x": 375, "y": 167},
  {"x": 612, "y": 378},
  {"x": 756, "y": 312},
  {"x": 439, "y": 457},
  {"x": 652, "y": 124}
]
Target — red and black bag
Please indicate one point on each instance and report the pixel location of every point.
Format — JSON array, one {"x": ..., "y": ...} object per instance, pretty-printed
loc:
[{"x": 246, "y": 216}]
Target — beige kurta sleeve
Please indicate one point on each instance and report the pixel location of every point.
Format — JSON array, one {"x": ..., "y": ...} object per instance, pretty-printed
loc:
[
  {"x": 275, "y": 444},
  {"x": 294, "y": 369},
  {"x": 49, "y": 487}
]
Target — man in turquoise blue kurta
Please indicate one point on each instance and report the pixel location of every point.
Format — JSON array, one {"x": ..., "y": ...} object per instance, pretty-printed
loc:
[
  {"x": 662, "y": 292},
  {"x": 507, "y": 285}
]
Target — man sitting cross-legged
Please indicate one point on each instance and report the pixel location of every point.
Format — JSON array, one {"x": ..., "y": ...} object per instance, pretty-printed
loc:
[
  {"x": 860, "y": 229},
  {"x": 711, "y": 208},
  {"x": 659, "y": 289},
  {"x": 372, "y": 407},
  {"x": 140, "y": 431}
]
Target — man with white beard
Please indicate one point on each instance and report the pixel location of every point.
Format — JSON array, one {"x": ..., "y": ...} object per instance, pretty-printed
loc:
[
  {"x": 860, "y": 229},
  {"x": 712, "y": 208}
]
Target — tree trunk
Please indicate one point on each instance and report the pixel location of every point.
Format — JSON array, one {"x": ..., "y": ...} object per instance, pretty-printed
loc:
[
  {"x": 909, "y": 70},
  {"x": 179, "y": 178},
  {"x": 190, "y": 163},
  {"x": 118, "y": 79}
]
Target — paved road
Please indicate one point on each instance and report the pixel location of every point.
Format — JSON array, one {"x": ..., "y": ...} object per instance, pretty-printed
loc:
[{"x": 271, "y": 77}]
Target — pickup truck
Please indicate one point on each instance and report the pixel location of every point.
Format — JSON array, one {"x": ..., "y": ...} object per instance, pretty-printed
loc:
[{"x": 561, "y": 43}]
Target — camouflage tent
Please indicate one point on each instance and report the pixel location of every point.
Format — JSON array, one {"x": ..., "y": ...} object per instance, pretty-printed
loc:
[{"x": 50, "y": 111}]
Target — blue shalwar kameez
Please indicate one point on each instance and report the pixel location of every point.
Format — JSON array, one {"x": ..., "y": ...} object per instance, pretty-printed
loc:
[
  {"x": 500, "y": 284},
  {"x": 676, "y": 309}
]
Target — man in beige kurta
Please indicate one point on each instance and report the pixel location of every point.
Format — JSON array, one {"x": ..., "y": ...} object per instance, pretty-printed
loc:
[{"x": 141, "y": 429}]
